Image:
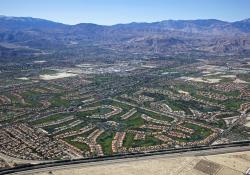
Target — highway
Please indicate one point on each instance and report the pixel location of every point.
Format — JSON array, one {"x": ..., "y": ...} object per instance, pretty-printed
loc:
[{"x": 201, "y": 151}]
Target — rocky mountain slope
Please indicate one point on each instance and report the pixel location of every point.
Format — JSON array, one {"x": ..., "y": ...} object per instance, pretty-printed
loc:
[{"x": 167, "y": 37}]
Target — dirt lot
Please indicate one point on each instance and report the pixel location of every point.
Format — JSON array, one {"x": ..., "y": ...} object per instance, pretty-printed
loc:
[{"x": 224, "y": 164}]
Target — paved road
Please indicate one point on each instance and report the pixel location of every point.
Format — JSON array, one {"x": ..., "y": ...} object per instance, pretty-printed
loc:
[{"x": 185, "y": 154}]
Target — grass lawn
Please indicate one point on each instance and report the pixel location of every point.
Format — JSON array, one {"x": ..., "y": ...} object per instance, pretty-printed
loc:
[
  {"x": 51, "y": 118},
  {"x": 155, "y": 115},
  {"x": 32, "y": 98},
  {"x": 81, "y": 146},
  {"x": 100, "y": 111},
  {"x": 199, "y": 134},
  {"x": 233, "y": 104},
  {"x": 134, "y": 121},
  {"x": 149, "y": 141},
  {"x": 57, "y": 101},
  {"x": 129, "y": 139},
  {"x": 105, "y": 140}
]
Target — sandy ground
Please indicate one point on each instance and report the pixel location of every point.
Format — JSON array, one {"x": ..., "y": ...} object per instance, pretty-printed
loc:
[
  {"x": 57, "y": 76},
  {"x": 23, "y": 78},
  {"x": 228, "y": 76},
  {"x": 183, "y": 92},
  {"x": 239, "y": 81},
  {"x": 211, "y": 74},
  {"x": 224, "y": 164},
  {"x": 11, "y": 160},
  {"x": 247, "y": 122},
  {"x": 213, "y": 80},
  {"x": 200, "y": 79},
  {"x": 40, "y": 61}
]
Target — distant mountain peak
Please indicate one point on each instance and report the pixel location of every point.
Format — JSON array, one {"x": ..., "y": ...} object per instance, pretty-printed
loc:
[
  {"x": 246, "y": 20},
  {"x": 168, "y": 36},
  {"x": 18, "y": 18}
]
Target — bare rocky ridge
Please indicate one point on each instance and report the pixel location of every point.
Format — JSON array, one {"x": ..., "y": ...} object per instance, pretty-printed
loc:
[{"x": 168, "y": 37}]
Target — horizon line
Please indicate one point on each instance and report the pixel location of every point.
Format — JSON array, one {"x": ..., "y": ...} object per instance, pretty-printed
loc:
[{"x": 138, "y": 22}]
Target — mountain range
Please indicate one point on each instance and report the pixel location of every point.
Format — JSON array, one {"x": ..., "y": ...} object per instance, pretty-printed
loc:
[{"x": 26, "y": 36}]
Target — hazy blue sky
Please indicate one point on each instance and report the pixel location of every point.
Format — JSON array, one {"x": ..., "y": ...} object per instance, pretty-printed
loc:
[{"x": 124, "y": 11}]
